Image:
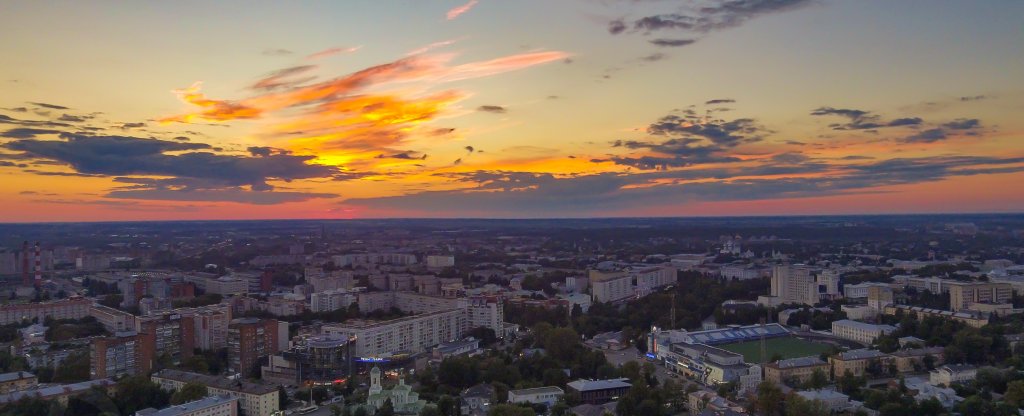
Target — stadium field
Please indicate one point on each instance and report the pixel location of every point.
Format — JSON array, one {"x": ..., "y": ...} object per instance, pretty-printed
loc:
[{"x": 787, "y": 347}]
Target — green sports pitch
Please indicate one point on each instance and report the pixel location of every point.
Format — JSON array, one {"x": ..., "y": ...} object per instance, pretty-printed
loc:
[{"x": 787, "y": 347}]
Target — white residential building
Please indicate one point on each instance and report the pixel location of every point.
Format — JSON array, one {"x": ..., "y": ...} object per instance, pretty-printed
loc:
[
  {"x": 950, "y": 374},
  {"x": 440, "y": 262},
  {"x": 611, "y": 286},
  {"x": 411, "y": 334},
  {"x": 331, "y": 300}
]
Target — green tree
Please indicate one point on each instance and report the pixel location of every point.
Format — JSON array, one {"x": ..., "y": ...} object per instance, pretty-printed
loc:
[
  {"x": 430, "y": 410},
  {"x": 799, "y": 406},
  {"x": 1015, "y": 393},
  {"x": 510, "y": 410},
  {"x": 387, "y": 409},
  {"x": 73, "y": 369},
  {"x": 769, "y": 399},
  {"x": 818, "y": 379},
  {"x": 191, "y": 391}
]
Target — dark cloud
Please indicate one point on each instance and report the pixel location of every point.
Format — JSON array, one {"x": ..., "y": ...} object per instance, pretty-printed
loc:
[
  {"x": 654, "y": 57},
  {"x": 616, "y": 26},
  {"x": 539, "y": 194},
  {"x": 121, "y": 155},
  {"x": 863, "y": 120},
  {"x": 719, "y": 101},
  {"x": 277, "y": 52},
  {"x": 408, "y": 155},
  {"x": 17, "y": 109},
  {"x": 672, "y": 43},
  {"x": 50, "y": 106},
  {"x": 127, "y": 126},
  {"x": 26, "y": 133},
  {"x": 698, "y": 18},
  {"x": 492, "y": 109},
  {"x": 284, "y": 78},
  {"x": 973, "y": 98},
  {"x": 720, "y": 132},
  {"x": 71, "y": 119},
  {"x": 963, "y": 124}
]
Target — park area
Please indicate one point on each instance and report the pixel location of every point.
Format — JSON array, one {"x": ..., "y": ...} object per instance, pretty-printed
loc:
[{"x": 786, "y": 347}]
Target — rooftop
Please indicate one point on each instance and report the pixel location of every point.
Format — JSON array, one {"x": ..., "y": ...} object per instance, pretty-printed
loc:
[
  {"x": 861, "y": 354},
  {"x": 216, "y": 382},
  {"x": 14, "y": 376},
  {"x": 54, "y": 391},
  {"x": 590, "y": 385},
  {"x": 863, "y": 325},
  {"x": 537, "y": 390},
  {"x": 798, "y": 362},
  {"x": 186, "y": 408}
]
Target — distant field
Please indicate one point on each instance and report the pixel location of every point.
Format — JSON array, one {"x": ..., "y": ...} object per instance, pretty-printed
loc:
[{"x": 788, "y": 347}]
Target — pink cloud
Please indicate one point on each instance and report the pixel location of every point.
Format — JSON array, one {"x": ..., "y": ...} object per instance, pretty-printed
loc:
[
  {"x": 332, "y": 51},
  {"x": 458, "y": 11}
]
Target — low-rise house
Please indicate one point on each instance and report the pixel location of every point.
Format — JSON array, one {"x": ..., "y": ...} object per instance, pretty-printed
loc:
[
  {"x": 950, "y": 374},
  {"x": 207, "y": 406},
  {"x": 18, "y": 380},
  {"x": 916, "y": 359},
  {"x": 599, "y": 391},
  {"x": 833, "y": 400},
  {"x": 857, "y": 361},
  {"x": 477, "y": 400},
  {"x": 547, "y": 396}
]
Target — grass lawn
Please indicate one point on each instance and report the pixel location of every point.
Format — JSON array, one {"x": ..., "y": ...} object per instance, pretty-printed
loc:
[{"x": 787, "y": 347}]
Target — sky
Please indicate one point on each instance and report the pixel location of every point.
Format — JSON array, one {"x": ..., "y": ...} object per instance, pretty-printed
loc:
[{"x": 114, "y": 111}]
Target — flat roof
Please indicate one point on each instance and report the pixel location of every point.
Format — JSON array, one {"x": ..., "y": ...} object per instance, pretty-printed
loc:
[
  {"x": 16, "y": 375},
  {"x": 863, "y": 325},
  {"x": 186, "y": 408},
  {"x": 799, "y": 362},
  {"x": 537, "y": 390},
  {"x": 590, "y": 385},
  {"x": 216, "y": 382}
]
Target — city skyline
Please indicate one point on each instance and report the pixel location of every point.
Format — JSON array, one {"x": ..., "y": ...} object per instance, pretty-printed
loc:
[{"x": 584, "y": 108}]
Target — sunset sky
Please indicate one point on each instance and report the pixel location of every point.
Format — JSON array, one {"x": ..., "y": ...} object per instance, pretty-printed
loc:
[{"x": 116, "y": 111}]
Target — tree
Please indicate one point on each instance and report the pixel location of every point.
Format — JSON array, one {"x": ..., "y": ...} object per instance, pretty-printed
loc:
[
  {"x": 1015, "y": 393},
  {"x": 818, "y": 379},
  {"x": 430, "y": 410},
  {"x": 360, "y": 411},
  {"x": 191, "y": 391},
  {"x": 447, "y": 405},
  {"x": 138, "y": 392},
  {"x": 387, "y": 409},
  {"x": 335, "y": 410},
  {"x": 799, "y": 406},
  {"x": 282, "y": 398},
  {"x": 75, "y": 368},
  {"x": 850, "y": 384},
  {"x": 510, "y": 410},
  {"x": 769, "y": 399}
]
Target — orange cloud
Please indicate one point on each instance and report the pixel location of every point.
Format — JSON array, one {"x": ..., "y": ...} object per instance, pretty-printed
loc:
[
  {"x": 214, "y": 110},
  {"x": 458, "y": 11}
]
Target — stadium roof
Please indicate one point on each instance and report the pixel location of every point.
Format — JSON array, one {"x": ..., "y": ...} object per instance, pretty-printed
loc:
[{"x": 738, "y": 334}]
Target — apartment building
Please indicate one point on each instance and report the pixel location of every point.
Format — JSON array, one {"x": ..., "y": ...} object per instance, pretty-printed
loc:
[
  {"x": 254, "y": 399},
  {"x": 332, "y": 300},
  {"x": 440, "y": 262},
  {"x": 411, "y": 334},
  {"x": 861, "y": 332},
  {"x": 113, "y": 320},
  {"x": 649, "y": 279},
  {"x": 611, "y": 286},
  {"x": 207, "y": 406},
  {"x": 971, "y": 318},
  {"x": 167, "y": 334},
  {"x": 484, "y": 311},
  {"x": 249, "y": 340},
  {"x": 209, "y": 325},
  {"x": 70, "y": 308},
  {"x": 119, "y": 355},
  {"x": 795, "y": 370}
]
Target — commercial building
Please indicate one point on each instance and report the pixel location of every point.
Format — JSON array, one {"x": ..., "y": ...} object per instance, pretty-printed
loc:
[
  {"x": 963, "y": 295},
  {"x": 611, "y": 286},
  {"x": 599, "y": 391},
  {"x": 207, "y": 406},
  {"x": 254, "y": 399},
  {"x": 18, "y": 380},
  {"x": 795, "y": 370},
  {"x": 120, "y": 355},
  {"x": 71, "y": 308},
  {"x": 411, "y": 334},
  {"x": 861, "y": 332},
  {"x": 249, "y": 340},
  {"x": 226, "y": 286},
  {"x": 320, "y": 360},
  {"x": 705, "y": 364},
  {"x": 860, "y": 290},
  {"x": 539, "y": 395}
]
